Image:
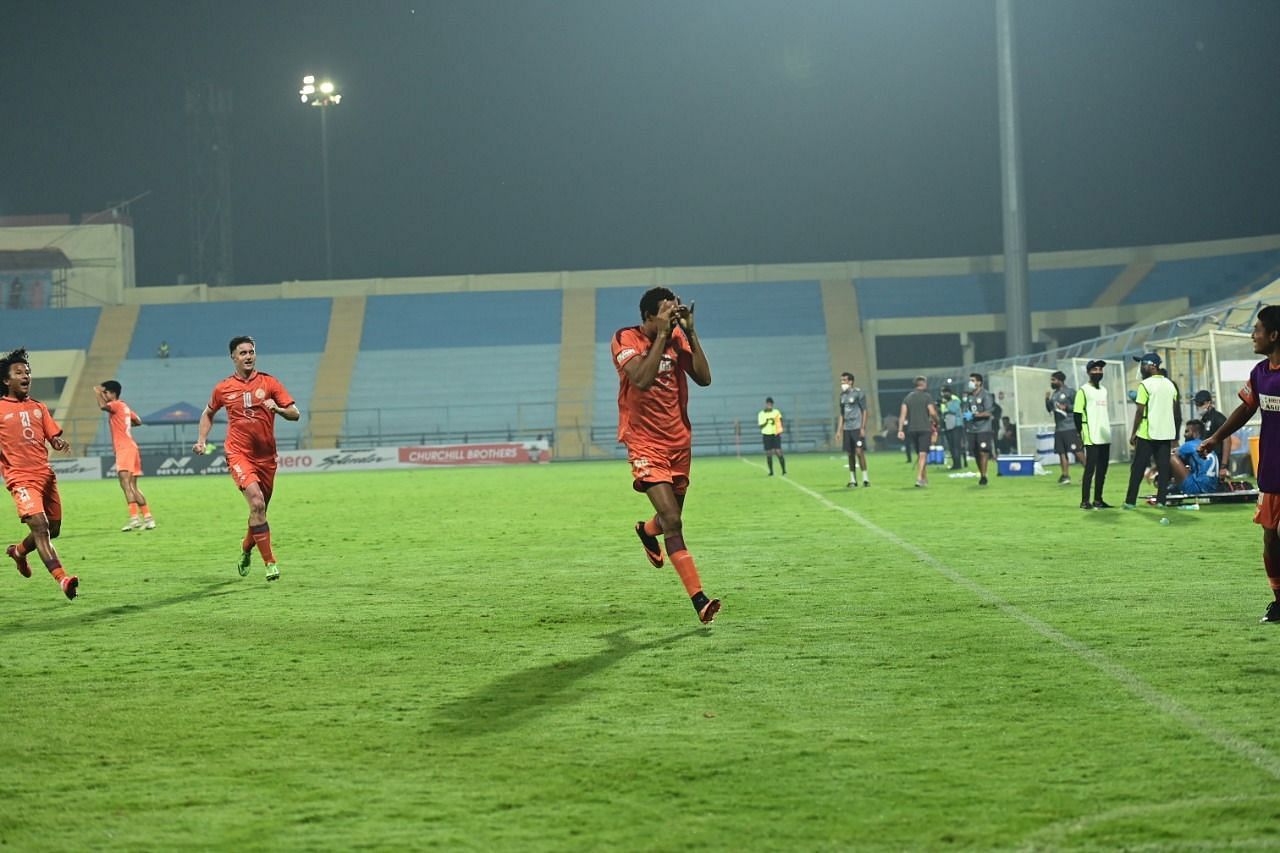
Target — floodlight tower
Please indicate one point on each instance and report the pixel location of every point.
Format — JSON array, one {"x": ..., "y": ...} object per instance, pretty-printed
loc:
[{"x": 323, "y": 95}]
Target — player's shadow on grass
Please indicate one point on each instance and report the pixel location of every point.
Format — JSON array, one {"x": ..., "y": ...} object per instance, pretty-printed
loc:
[
  {"x": 521, "y": 696},
  {"x": 81, "y": 617}
]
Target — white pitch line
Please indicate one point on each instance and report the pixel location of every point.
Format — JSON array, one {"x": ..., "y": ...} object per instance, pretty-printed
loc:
[{"x": 1134, "y": 684}]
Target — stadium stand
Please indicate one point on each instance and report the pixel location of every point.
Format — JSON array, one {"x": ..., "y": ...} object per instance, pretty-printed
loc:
[
  {"x": 204, "y": 328},
  {"x": 979, "y": 293},
  {"x": 450, "y": 366},
  {"x": 46, "y": 329},
  {"x": 1206, "y": 280}
]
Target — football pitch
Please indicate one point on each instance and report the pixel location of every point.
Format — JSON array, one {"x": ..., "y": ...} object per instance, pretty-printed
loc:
[{"x": 483, "y": 659}]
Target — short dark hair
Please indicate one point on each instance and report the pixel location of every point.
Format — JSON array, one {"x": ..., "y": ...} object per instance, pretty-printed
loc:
[
  {"x": 977, "y": 376},
  {"x": 1195, "y": 426},
  {"x": 112, "y": 386},
  {"x": 17, "y": 356},
  {"x": 238, "y": 340},
  {"x": 768, "y": 399},
  {"x": 1059, "y": 375},
  {"x": 653, "y": 297},
  {"x": 847, "y": 375},
  {"x": 1269, "y": 317}
]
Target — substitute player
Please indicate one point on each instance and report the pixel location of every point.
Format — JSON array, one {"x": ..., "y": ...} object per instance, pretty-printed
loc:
[
  {"x": 122, "y": 419},
  {"x": 653, "y": 360},
  {"x": 25, "y": 428},
  {"x": 1262, "y": 392},
  {"x": 252, "y": 400}
]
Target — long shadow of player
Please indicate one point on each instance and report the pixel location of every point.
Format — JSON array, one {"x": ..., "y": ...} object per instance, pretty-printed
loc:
[
  {"x": 82, "y": 617},
  {"x": 521, "y": 696}
]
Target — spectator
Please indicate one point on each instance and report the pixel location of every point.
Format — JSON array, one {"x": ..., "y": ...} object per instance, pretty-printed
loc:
[{"x": 162, "y": 351}]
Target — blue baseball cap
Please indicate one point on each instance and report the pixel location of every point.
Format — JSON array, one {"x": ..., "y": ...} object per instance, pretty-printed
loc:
[{"x": 1149, "y": 358}]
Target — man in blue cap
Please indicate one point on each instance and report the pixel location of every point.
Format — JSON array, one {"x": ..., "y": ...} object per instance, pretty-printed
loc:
[{"x": 1155, "y": 425}]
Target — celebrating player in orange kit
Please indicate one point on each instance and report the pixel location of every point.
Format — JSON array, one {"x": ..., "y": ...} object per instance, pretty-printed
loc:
[
  {"x": 252, "y": 400},
  {"x": 25, "y": 427},
  {"x": 122, "y": 419},
  {"x": 652, "y": 360}
]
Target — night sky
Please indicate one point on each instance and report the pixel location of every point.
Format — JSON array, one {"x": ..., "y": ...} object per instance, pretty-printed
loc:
[{"x": 480, "y": 136}]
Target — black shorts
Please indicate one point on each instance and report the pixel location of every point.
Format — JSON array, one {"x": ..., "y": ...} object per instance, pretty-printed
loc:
[
  {"x": 853, "y": 442},
  {"x": 772, "y": 442},
  {"x": 1067, "y": 443},
  {"x": 981, "y": 442},
  {"x": 919, "y": 441}
]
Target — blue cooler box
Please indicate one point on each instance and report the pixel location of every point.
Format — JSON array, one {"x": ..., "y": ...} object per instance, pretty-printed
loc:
[{"x": 1016, "y": 466}]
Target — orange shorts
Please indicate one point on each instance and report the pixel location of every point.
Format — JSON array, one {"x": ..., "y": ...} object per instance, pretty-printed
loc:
[
  {"x": 1268, "y": 512},
  {"x": 33, "y": 497},
  {"x": 246, "y": 470},
  {"x": 129, "y": 461},
  {"x": 651, "y": 465}
]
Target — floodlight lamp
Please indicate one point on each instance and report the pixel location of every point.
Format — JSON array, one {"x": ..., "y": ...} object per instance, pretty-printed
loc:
[
  {"x": 309, "y": 79},
  {"x": 327, "y": 87},
  {"x": 304, "y": 97}
]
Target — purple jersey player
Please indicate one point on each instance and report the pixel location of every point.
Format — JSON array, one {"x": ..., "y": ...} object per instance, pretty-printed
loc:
[{"x": 1262, "y": 393}]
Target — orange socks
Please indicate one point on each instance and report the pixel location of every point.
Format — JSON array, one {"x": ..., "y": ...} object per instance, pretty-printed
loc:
[
  {"x": 133, "y": 509},
  {"x": 688, "y": 572},
  {"x": 262, "y": 538}
]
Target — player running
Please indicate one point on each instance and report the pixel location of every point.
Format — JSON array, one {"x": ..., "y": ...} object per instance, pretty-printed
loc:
[
  {"x": 252, "y": 400},
  {"x": 25, "y": 428},
  {"x": 122, "y": 419},
  {"x": 1262, "y": 392},
  {"x": 652, "y": 361}
]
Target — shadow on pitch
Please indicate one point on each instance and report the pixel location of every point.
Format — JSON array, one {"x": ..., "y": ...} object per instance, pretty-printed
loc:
[
  {"x": 80, "y": 617},
  {"x": 521, "y": 696}
]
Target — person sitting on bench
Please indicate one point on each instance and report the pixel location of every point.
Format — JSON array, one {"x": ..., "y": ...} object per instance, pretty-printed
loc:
[{"x": 1192, "y": 473}]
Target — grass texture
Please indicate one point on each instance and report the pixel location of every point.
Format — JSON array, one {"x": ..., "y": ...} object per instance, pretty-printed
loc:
[{"x": 483, "y": 659}]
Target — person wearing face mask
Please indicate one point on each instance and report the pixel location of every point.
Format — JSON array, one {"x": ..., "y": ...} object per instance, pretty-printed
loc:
[
  {"x": 1092, "y": 418},
  {"x": 952, "y": 427},
  {"x": 1058, "y": 401},
  {"x": 978, "y": 424},
  {"x": 852, "y": 429},
  {"x": 1212, "y": 419},
  {"x": 1157, "y": 421}
]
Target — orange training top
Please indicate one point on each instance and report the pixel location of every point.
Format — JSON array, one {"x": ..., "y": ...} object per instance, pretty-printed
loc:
[
  {"x": 657, "y": 417},
  {"x": 25, "y": 429},
  {"x": 251, "y": 429}
]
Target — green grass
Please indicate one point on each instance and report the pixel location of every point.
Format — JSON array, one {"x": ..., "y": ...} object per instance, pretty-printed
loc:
[{"x": 483, "y": 659}]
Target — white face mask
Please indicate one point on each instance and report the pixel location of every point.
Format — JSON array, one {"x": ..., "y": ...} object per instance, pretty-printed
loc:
[
  {"x": 844, "y": 386},
  {"x": 973, "y": 386}
]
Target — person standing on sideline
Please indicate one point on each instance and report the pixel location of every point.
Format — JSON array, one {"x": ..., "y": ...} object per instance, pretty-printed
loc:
[
  {"x": 918, "y": 426},
  {"x": 252, "y": 400},
  {"x": 26, "y": 426},
  {"x": 978, "y": 413},
  {"x": 1058, "y": 401},
  {"x": 653, "y": 360},
  {"x": 1093, "y": 422},
  {"x": 952, "y": 426},
  {"x": 770, "y": 421},
  {"x": 1156, "y": 424},
  {"x": 122, "y": 419},
  {"x": 1261, "y": 393},
  {"x": 851, "y": 431}
]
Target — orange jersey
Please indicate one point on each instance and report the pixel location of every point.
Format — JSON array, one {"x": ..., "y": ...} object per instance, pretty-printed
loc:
[
  {"x": 25, "y": 429},
  {"x": 657, "y": 417},
  {"x": 120, "y": 420},
  {"x": 251, "y": 429}
]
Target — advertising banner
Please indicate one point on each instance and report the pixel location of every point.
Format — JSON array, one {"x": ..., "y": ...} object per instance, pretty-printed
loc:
[
  {"x": 506, "y": 453},
  {"x": 365, "y": 459},
  {"x": 77, "y": 468}
]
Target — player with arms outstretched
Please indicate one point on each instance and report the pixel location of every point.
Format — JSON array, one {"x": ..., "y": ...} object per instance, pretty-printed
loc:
[
  {"x": 653, "y": 361},
  {"x": 122, "y": 419},
  {"x": 26, "y": 427},
  {"x": 1262, "y": 392},
  {"x": 252, "y": 400}
]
